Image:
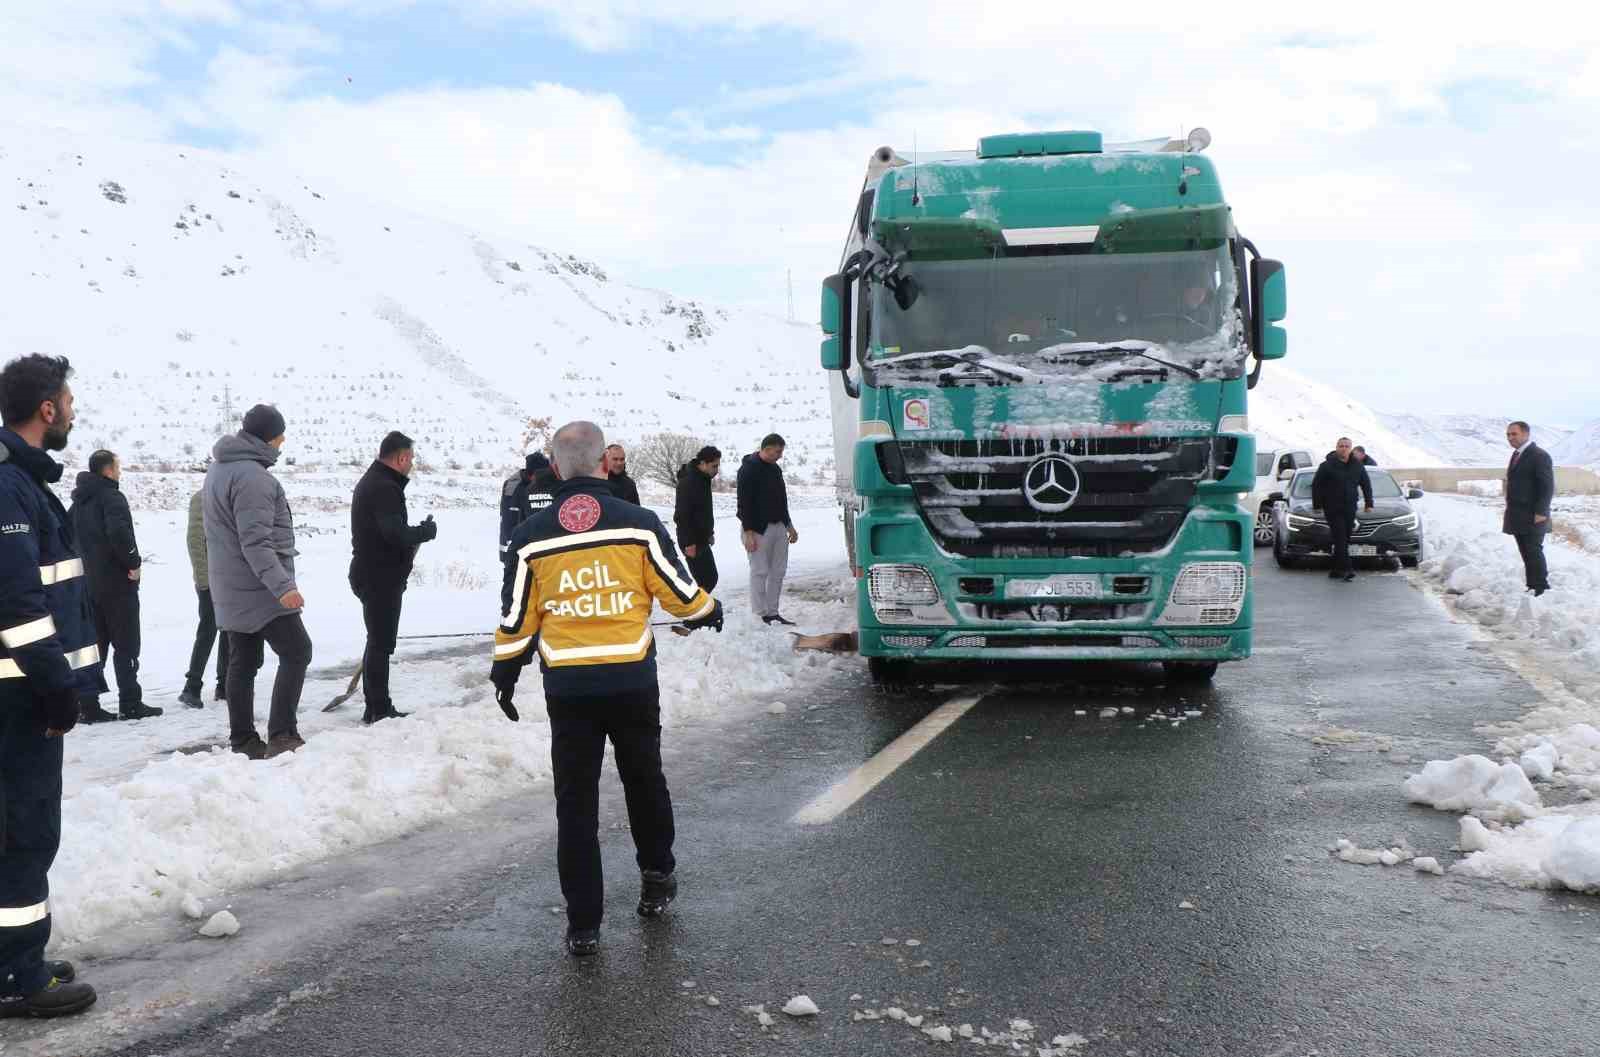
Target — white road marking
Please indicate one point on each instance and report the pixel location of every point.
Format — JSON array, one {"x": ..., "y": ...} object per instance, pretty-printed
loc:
[{"x": 864, "y": 779}]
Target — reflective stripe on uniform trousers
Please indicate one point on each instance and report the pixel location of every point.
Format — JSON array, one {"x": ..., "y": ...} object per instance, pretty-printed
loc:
[
  {"x": 27, "y": 634},
  {"x": 21, "y": 917},
  {"x": 76, "y": 659},
  {"x": 70, "y": 569}
]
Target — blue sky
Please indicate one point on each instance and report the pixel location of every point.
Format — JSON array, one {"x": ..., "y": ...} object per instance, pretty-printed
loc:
[{"x": 1426, "y": 181}]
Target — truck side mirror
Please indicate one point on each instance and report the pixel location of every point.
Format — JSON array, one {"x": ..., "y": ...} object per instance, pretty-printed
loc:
[
  {"x": 832, "y": 354},
  {"x": 832, "y": 304},
  {"x": 1269, "y": 297},
  {"x": 1413, "y": 493}
]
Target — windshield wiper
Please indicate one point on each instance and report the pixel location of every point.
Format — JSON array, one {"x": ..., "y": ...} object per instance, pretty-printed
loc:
[
  {"x": 958, "y": 363},
  {"x": 1086, "y": 354}
]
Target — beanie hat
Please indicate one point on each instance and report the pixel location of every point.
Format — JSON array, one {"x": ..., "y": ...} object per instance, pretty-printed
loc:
[
  {"x": 263, "y": 422},
  {"x": 537, "y": 462}
]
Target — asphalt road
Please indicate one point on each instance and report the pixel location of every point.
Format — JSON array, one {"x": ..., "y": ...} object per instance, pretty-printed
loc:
[{"x": 1041, "y": 860}]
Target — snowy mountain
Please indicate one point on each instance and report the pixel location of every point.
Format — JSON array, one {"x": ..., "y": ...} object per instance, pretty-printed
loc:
[
  {"x": 1468, "y": 440},
  {"x": 1287, "y": 409},
  {"x": 185, "y": 290},
  {"x": 1579, "y": 448}
]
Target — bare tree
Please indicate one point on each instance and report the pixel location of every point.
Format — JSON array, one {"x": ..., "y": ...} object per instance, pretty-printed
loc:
[
  {"x": 658, "y": 456},
  {"x": 537, "y": 433}
]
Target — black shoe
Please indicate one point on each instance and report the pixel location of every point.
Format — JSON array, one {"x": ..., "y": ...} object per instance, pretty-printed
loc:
[
  {"x": 657, "y": 892},
  {"x": 56, "y": 999},
  {"x": 1349, "y": 576},
  {"x": 582, "y": 943},
  {"x": 62, "y": 971},
  {"x": 384, "y": 713},
  {"x": 777, "y": 619},
  {"x": 1335, "y": 574},
  {"x": 138, "y": 710},
  {"x": 91, "y": 712},
  {"x": 191, "y": 699},
  {"x": 255, "y": 748},
  {"x": 1537, "y": 591}
]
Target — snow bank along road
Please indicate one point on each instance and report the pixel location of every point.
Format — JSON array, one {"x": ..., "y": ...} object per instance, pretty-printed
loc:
[{"x": 1153, "y": 881}]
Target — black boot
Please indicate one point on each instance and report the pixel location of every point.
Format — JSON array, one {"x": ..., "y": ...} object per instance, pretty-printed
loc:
[
  {"x": 372, "y": 715},
  {"x": 55, "y": 999},
  {"x": 657, "y": 891},
  {"x": 89, "y": 711},
  {"x": 138, "y": 710},
  {"x": 190, "y": 698},
  {"x": 581, "y": 943},
  {"x": 62, "y": 971}
]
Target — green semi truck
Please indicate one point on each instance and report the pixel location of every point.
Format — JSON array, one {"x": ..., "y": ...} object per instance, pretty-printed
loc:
[{"x": 1040, "y": 353}]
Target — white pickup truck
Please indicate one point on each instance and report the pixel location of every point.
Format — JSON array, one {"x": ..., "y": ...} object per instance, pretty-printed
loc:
[{"x": 1273, "y": 467}]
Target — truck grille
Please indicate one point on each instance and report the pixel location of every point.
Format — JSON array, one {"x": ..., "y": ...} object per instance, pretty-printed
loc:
[{"x": 1133, "y": 497}]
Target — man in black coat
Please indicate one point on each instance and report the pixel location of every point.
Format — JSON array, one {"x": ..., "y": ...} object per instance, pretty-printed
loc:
[
  {"x": 1359, "y": 454},
  {"x": 692, "y": 515},
  {"x": 384, "y": 546},
  {"x": 524, "y": 495},
  {"x": 617, "y": 474},
  {"x": 111, "y": 563},
  {"x": 1530, "y": 485},
  {"x": 1340, "y": 480}
]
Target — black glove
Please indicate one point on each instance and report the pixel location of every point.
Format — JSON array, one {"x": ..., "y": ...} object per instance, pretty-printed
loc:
[
  {"x": 61, "y": 711},
  {"x": 427, "y": 530},
  {"x": 712, "y": 619},
  {"x": 504, "y": 677}
]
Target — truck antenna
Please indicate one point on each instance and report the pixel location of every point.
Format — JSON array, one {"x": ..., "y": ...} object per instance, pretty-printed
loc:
[{"x": 916, "y": 195}]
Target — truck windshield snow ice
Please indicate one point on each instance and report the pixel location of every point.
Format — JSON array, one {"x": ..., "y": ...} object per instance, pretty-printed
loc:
[{"x": 1040, "y": 353}]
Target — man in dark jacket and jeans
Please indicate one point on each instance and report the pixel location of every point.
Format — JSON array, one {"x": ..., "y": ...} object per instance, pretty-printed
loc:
[
  {"x": 111, "y": 562},
  {"x": 48, "y": 657},
  {"x": 383, "y": 546},
  {"x": 765, "y": 527},
  {"x": 693, "y": 518},
  {"x": 250, "y": 561},
  {"x": 1530, "y": 486},
  {"x": 1339, "y": 482}
]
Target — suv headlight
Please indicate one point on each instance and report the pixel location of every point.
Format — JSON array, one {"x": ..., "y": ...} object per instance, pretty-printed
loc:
[
  {"x": 1405, "y": 521},
  {"x": 1209, "y": 584},
  {"x": 1300, "y": 521}
]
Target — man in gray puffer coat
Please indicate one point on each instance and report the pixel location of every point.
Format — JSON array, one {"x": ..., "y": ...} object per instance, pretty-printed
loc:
[{"x": 250, "y": 559}]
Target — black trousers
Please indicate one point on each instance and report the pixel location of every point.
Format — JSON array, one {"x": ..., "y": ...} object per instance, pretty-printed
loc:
[
  {"x": 30, "y": 833},
  {"x": 116, "y": 626},
  {"x": 380, "y": 612},
  {"x": 703, "y": 567},
  {"x": 579, "y": 727},
  {"x": 288, "y": 639},
  {"x": 205, "y": 636},
  {"x": 1531, "y": 546},
  {"x": 1340, "y": 524}
]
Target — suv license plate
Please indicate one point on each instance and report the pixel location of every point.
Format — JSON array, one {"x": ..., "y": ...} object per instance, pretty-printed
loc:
[
  {"x": 1363, "y": 550},
  {"x": 1054, "y": 587}
]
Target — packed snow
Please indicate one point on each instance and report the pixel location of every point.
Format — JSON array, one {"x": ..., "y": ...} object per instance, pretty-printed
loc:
[{"x": 1532, "y": 816}]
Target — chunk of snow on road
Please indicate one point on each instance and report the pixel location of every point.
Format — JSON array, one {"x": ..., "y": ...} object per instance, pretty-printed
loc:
[
  {"x": 221, "y": 924},
  {"x": 1474, "y": 836},
  {"x": 895, "y": 1013},
  {"x": 713, "y": 1000},
  {"x": 1475, "y": 783},
  {"x": 1539, "y": 761},
  {"x": 801, "y": 1006},
  {"x": 1554, "y": 851},
  {"x": 939, "y": 1034},
  {"x": 192, "y": 907},
  {"x": 1186, "y": 905},
  {"x": 777, "y": 708},
  {"x": 913, "y": 943},
  {"x": 1349, "y": 852},
  {"x": 1428, "y": 864},
  {"x": 914, "y": 1022},
  {"x": 1108, "y": 713}
]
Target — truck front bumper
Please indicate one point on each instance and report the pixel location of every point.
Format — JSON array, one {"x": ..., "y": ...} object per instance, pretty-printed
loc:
[{"x": 1076, "y": 643}]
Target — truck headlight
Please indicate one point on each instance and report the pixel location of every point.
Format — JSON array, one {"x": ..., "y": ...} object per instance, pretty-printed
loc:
[
  {"x": 1300, "y": 521},
  {"x": 1405, "y": 521},
  {"x": 897, "y": 591},
  {"x": 1209, "y": 584}
]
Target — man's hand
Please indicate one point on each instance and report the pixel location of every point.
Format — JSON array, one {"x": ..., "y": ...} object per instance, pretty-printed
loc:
[
  {"x": 1369, "y": 506},
  {"x": 504, "y": 677},
  {"x": 133, "y": 574},
  {"x": 427, "y": 530},
  {"x": 690, "y": 550},
  {"x": 751, "y": 540},
  {"x": 712, "y": 619},
  {"x": 794, "y": 537},
  {"x": 60, "y": 713},
  {"x": 1539, "y": 519},
  {"x": 293, "y": 600}
]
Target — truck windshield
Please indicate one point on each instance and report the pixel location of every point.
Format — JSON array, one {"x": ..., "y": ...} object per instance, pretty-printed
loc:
[{"x": 1062, "y": 314}]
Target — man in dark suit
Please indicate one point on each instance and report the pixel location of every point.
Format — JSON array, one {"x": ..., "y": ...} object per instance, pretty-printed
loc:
[{"x": 1530, "y": 485}]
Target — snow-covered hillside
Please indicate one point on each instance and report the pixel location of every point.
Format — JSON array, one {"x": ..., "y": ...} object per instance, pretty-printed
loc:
[
  {"x": 184, "y": 290},
  {"x": 1580, "y": 448},
  {"x": 1471, "y": 440},
  {"x": 1287, "y": 409}
]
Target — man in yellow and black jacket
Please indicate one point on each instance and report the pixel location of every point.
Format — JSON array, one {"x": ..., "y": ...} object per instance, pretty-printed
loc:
[{"x": 581, "y": 579}]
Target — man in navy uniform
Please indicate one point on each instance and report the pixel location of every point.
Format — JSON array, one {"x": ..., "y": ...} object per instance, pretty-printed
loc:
[{"x": 48, "y": 657}]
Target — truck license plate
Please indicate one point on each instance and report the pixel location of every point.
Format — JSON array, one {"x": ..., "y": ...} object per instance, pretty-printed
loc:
[
  {"x": 1054, "y": 587},
  {"x": 1363, "y": 550}
]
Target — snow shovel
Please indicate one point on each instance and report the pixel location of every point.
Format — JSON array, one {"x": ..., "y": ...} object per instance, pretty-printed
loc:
[
  {"x": 349, "y": 691},
  {"x": 832, "y": 642}
]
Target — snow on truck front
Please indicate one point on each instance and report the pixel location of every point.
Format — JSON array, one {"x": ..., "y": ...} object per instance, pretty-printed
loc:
[{"x": 1041, "y": 356}]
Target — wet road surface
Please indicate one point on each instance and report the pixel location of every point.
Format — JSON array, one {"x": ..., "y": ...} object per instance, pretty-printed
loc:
[{"x": 1041, "y": 860}]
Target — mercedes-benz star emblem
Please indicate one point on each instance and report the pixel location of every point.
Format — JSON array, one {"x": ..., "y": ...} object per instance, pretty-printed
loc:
[{"x": 1051, "y": 484}]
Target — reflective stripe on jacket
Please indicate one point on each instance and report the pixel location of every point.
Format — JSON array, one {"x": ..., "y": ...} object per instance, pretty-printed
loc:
[{"x": 584, "y": 576}]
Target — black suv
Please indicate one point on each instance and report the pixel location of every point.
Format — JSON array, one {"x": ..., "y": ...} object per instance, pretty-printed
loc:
[{"x": 1390, "y": 530}]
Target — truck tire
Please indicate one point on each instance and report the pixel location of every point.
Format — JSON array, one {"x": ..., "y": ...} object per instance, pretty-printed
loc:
[
  {"x": 1189, "y": 671},
  {"x": 888, "y": 671},
  {"x": 1266, "y": 526}
]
